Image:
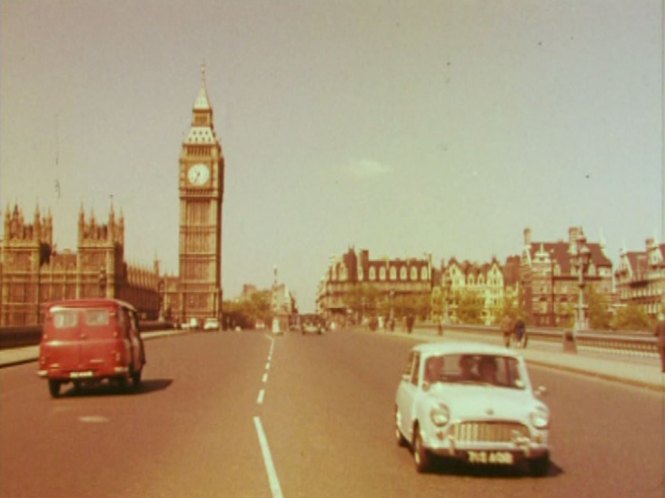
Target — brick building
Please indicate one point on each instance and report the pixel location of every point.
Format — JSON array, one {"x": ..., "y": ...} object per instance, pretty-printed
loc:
[
  {"x": 549, "y": 277},
  {"x": 640, "y": 278},
  {"x": 355, "y": 284}
]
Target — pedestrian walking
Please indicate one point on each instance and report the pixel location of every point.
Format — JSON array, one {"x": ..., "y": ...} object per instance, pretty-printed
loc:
[
  {"x": 506, "y": 330},
  {"x": 660, "y": 339},
  {"x": 520, "y": 333}
]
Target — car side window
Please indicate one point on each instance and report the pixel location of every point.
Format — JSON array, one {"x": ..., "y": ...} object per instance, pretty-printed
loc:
[
  {"x": 123, "y": 322},
  {"x": 134, "y": 323},
  {"x": 408, "y": 368},
  {"x": 415, "y": 371}
]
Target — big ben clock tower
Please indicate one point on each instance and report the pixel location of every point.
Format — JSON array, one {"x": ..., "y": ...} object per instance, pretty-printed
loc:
[{"x": 201, "y": 189}]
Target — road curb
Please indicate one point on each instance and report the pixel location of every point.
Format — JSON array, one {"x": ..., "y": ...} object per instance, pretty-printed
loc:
[
  {"x": 653, "y": 386},
  {"x": 30, "y": 354},
  {"x": 599, "y": 375}
]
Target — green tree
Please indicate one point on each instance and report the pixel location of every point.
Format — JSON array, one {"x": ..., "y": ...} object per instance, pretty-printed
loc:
[
  {"x": 507, "y": 307},
  {"x": 436, "y": 302},
  {"x": 598, "y": 308},
  {"x": 469, "y": 306},
  {"x": 631, "y": 317}
]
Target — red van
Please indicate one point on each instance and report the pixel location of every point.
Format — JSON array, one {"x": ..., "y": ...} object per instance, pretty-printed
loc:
[{"x": 88, "y": 340}]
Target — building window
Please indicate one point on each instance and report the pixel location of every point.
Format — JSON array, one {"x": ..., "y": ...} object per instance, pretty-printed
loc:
[
  {"x": 414, "y": 273},
  {"x": 372, "y": 273},
  {"x": 382, "y": 273},
  {"x": 393, "y": 273},
  {"x": 402, "y": 273},
  {"x": 424, "y": 274}
]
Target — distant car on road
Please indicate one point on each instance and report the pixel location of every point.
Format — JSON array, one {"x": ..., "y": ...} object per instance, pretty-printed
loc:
[
  {"x": 85, "y": 341},
  {"x": 312, "y": 324},
  {"x": 211, "y": 324},
  {"x": 471, "y": 402}
]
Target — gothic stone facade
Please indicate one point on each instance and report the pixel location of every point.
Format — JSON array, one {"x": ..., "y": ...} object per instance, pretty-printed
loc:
[{"x": 33, "y": 272}]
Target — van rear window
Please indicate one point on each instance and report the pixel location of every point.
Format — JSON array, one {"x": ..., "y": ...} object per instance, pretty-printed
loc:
[
  {"x": 96, "y": 318},
  {"x": 63, "y": 319}
]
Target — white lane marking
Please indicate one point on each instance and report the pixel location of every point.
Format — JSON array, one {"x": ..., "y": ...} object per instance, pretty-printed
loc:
[
  {"x": 264, "y": 379},
  {"x": 268, "y": 365},
  {"x": 93, "y": 419},
  {"x": 259, "y": 399},
  {"x": 275, "y": 488}
]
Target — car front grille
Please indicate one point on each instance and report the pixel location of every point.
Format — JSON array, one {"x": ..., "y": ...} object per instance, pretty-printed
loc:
[{"x": 488, "y": 432}]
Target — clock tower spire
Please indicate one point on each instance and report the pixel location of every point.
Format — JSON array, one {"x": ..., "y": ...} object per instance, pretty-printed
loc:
[{"x": 201, "y": 191}]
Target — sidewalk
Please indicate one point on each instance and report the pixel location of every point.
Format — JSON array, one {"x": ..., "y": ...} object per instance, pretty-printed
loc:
[
  {"x": 645, "y": 374},
  {"x": 27, "y": 354}
]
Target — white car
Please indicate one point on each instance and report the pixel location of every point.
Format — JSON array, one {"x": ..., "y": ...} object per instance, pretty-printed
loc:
[
  {"x": 471, "y": 402},
  {"x": 211, "y": 324}
]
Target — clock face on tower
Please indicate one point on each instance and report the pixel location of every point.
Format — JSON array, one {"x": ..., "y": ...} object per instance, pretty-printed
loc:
[{"x": 198, "y": 174}]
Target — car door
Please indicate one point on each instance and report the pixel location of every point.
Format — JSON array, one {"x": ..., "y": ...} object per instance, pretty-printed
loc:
[{"x": 407, "y": 393}]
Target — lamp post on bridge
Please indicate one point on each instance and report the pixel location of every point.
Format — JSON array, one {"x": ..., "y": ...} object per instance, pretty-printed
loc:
[{"x": 581, "y": 258}]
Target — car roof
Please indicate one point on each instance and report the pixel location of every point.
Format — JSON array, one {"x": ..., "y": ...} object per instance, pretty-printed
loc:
[
  {"x": 94, "y": 302},
  {"x": 438, "y": 348}
]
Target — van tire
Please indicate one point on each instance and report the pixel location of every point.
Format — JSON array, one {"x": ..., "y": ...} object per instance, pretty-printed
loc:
[
  {"x": 136, "y": 379},
  {"x": 54, "y": 388}
]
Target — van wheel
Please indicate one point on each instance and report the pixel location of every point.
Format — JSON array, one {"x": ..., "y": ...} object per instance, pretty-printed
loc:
[
  {"x": 136, "y": 378},
  {"x": 54, "y": 388}
]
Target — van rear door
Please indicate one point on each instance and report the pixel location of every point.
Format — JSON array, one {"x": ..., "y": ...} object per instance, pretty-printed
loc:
[
  {"x": 61, "y": 339},
  {"x": 98, "y": 339}
]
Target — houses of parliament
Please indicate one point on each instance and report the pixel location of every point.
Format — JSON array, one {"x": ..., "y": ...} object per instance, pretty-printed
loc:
[{"x": 34, "y": 272}]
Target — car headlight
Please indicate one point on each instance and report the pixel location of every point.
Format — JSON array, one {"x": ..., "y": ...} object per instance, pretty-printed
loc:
[
  {"x": 540, "y": 417},
  {"x": 440, "y": 415}
]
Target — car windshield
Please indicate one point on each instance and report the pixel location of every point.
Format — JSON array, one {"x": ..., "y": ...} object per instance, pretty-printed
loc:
[{"x": 481, "y": 369}]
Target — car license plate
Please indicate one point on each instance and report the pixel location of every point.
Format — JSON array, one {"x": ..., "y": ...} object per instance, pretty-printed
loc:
[
  {"x": 491, "y": 457},
  {"x": 79, "y": 375}
]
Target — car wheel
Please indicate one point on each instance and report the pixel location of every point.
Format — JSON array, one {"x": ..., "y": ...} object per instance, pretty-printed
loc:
[
  {"x": 421, "y": 456},
  {"x": 54, "y": 387},
  {"x": 539, "y": 467},
  {"x": 401, "y": 440}
]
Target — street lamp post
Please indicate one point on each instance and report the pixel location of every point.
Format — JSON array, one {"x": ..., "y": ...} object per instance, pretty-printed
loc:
[
  {"x": 447, "y": 285},
  {"x": 581, "y": 260},
  {"x": 392, "y": 310},
  {"x": 552, "y": 310}
]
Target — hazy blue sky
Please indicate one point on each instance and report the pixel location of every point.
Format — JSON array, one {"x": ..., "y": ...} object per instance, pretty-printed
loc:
[{"x": 444, "y": 127}]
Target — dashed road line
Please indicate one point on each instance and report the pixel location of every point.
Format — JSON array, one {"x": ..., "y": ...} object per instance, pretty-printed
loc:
[
  {"x": 275, "y": 487},
  {"x": 259, "y": 399}
]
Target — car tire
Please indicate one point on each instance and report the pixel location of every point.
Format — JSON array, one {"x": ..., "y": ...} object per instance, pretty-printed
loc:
[
  {"x": 54, "y": 388},
  {"x": 421, "y": 456},
  {"x": 399, "y": 437},
  {"x": 539, "y": 467}
]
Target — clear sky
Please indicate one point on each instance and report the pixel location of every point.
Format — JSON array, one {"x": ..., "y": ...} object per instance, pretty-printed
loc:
[{"x": 442, "y": 127}]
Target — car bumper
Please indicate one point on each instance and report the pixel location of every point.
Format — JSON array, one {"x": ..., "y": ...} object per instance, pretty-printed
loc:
[
  {"x": 89, "y": 374},
  {"x": 442, "y": 442}
]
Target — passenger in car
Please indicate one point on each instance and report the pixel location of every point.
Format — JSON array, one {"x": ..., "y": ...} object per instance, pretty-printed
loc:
[
  {"x": 488, "y": 369},
  {"x": 433, "y": 368},
  {"x": 466, "y": 365}
]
